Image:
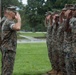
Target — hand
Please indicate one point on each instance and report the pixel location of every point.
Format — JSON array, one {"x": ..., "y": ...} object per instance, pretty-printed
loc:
[
  {"x": 68, "y": 14},
  {"x": 17, "y": 17},
  {"x": 48, "y": 17},
  {"x": 62, "y": 14},
  {"x": 55, "y": 16}
]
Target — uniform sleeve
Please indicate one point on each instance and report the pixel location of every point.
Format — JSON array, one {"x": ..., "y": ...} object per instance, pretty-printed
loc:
[
  {"x": 11, "y": 24},
  {"x": 73, "y": 25},
  {"x": 73, "y": 22}
]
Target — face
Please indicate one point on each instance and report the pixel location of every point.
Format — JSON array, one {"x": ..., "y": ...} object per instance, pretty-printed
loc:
[
  {"x": 68, "y": 14},
  {"x": 12, "y": 14},
  {"x": 8, "y": 13},
  {"x": 63, "y": 14},
  {"x": 74, "y": 13},
  {"x": 54, "y": 16},
  {"x": 48, "y": 17}
]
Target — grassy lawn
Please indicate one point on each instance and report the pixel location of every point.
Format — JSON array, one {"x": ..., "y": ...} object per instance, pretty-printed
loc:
[
  {"x": 34, "y": 34},
  {"x": 31, "y": 59}
]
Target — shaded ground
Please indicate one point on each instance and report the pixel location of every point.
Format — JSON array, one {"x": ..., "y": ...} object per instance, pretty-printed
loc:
[{"x": 29, "y": 39}]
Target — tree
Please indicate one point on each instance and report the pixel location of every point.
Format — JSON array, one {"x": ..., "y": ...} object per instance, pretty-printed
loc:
[{"x": 34, "y": 13}]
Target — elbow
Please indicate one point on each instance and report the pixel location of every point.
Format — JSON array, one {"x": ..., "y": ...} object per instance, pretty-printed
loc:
[{"x": 18, "y": 28}]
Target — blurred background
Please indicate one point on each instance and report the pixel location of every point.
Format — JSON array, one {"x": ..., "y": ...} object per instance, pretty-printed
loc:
[{"x": 33, "y": 11}]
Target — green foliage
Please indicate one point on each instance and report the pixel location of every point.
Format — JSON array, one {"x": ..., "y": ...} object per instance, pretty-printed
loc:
[
  {"x": 33, "y": 14},
  {"x": 6, "y": 3}
]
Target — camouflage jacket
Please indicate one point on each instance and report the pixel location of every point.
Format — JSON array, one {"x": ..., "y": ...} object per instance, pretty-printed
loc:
[
  {"x": 0, "y": 34},
  {"x": 54, "y": 32},
  {"x": 8, "y": 36},
  {"x": 73, "y": 27},
  {"x": 67, "y": 35},
  {"x": 1, "y": 21},
  {"x": 60, "y": 34}
]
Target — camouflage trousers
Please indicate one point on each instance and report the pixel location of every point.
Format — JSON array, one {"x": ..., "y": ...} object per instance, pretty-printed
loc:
[
  {"x": 49, "y": 47},
  {"x": 74, "y": 54},
  {"x": 69, "y": 66},
  {"x": 60, "y": 59},
  {"x": 53, "y": 54},
  {"x": 48, "y": 42},
  {"x": 8, "y": 59}
]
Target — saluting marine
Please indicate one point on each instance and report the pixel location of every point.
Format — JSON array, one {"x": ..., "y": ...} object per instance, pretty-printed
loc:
[
  {"x": 55, "y": 54},
  {"x": 67, "y": 46},
  {"x": 9, "y": 39},
  {"x": 49, "y": 25}
]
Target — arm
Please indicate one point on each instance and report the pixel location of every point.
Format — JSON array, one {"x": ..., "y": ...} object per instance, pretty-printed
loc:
[
  {"x": 61, "y": 17},
  {"x": 17, "y": 25},
  {"x": 51, "y": 20},
  {"x": 45, "y": 23},
  {"x": 68, "y": 15}
]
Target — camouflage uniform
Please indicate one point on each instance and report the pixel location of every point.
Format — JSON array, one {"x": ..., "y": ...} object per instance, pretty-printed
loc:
[
  {"x": 49, "y": 41},
  {"x": 8, "y": 46},
  {"x": 73, "y": 27},
  {"x": 0, "y": 36},
  {"x": 49, "y": 38},
  {"x": 0, "y": 39},
  {"x": 68, "y": 53},
  {"x": 1, "y": 21},
  {"x": 55, "y": 54},
  {"x": 60, "y": 37}
]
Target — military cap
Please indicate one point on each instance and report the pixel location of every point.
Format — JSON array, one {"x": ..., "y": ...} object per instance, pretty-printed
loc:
[
  {"x": 57, "y": 12},
  {"x": 48, "y": 13},
  {"x": 72, "y": 8},
  {"x": 69, "y": 6},
  {"x": 12, "y": 8},
  {"x": 64, "y": 9},
  {"x": 75, "y": 6}
]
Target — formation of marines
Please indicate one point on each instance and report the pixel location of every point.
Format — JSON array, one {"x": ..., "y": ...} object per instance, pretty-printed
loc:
[{"x": 61, "y": 40}]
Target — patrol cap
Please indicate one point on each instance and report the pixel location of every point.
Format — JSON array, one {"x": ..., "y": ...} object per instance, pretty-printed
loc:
[
  {"x": 69, "y": 6},
  {"x": 12, "y": 8},
  {"x": 72, "y": 8},
  {"x": 57, "y": 12},
  {"x": 48, "y": 13},
  {"x": 75, "y": 6},
  {"x": 64, "y": 9}
]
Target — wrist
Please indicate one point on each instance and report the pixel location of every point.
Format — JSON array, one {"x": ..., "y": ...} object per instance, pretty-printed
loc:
[{"x": 18, "y": 20}]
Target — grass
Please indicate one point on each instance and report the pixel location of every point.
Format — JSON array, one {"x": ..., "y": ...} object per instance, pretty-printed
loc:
[
  {"x": 33, "y": 34},
  {"x": 31, "y": 59}
]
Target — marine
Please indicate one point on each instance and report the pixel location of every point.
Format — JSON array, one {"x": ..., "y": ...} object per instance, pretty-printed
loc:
[{"x": 9, "y": 39}]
